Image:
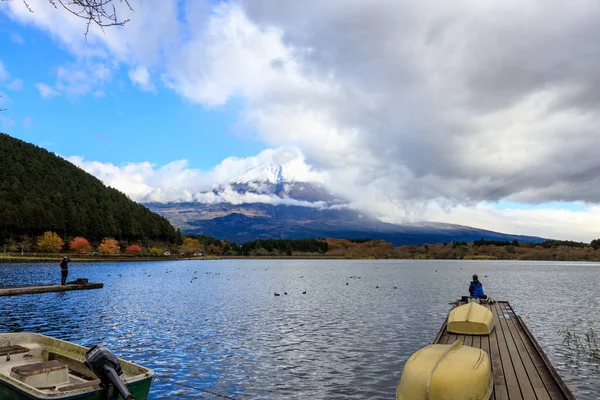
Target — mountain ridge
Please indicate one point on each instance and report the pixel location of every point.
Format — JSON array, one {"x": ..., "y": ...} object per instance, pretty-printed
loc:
[
  {"x": 292, "y": 206},
  {"x": 246, "y": 222},
  {"x": 40, "y": 191}
]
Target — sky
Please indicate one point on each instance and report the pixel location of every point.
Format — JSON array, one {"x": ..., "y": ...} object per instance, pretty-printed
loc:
[{"x": 474, "y": 112}]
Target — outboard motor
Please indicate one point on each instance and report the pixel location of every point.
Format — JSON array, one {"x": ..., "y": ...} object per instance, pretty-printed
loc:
[{"x": 105, "y": 365}]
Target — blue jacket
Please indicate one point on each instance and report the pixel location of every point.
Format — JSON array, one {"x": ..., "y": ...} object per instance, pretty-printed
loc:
[{"x": 476, "y": 288}]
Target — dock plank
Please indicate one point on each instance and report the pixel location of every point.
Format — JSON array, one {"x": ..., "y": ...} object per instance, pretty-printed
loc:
[
  {"x": 477, "y": 341},
  {"x": 520, "y": 369},
  {"x": 484, "y": 344},
  {"x": 550, "y": 384},
  {"x": 500, "y": 389},
  {"x": 510, "y": 377},
  {"x": 534, "y": 377},
  {"x": 35, "y": 289},
  {"x": 452, "y": 337},
  {"x": 468, "y": 340},
  {"x": 523, "y": 382},
  {"x": 443, "y": 338}
]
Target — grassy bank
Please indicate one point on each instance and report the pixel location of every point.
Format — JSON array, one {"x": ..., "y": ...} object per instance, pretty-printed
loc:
[{"x": 46, "y": 258}]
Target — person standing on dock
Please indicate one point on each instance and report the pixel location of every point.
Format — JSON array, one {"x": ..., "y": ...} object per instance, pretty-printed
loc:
[
  {"x": 476, "y": 288},
  {"x": 64, "y": 267}
]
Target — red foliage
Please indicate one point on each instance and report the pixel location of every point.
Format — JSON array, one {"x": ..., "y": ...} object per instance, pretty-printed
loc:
[
  {"x": 80, "y": 244},
  {"x": 133, "y": 249}
]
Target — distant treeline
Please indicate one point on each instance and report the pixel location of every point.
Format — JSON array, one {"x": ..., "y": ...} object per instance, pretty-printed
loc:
[
  {"x": 547, "y": 244},
  {"x": 285, "y": 246},
  {"x": 367, "y": 248},
  {"x": 198, "y": 245},
  {"x": 41, "y": 192}
]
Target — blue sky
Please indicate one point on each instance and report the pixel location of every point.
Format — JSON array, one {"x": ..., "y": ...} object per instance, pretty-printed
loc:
[
  {"x": 472, "y": 113},
  {"x": 121, "y": 124}
]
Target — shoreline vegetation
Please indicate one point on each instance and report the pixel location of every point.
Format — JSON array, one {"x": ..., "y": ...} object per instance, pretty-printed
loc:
[{"x": 208, "y": 248}]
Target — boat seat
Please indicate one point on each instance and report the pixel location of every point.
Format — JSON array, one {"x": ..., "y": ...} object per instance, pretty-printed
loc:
[
  {"x": 41, "y": 374},
  {"x": 43, "y": 367},
  {"x": 83, "y": 385},
  {"x": 12, "y": 350}
]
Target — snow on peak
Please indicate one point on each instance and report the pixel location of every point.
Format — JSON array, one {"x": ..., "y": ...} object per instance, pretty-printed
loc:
[
  {"x": 265, "y": 173},
  {"x": 270, "y": 172}
]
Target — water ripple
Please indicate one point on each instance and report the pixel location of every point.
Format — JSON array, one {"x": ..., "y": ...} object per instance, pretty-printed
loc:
[{"x": 224, "y": 331}]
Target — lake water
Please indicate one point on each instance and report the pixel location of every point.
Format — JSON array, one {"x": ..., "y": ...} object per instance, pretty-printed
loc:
[{"x": 216, "y": 325}]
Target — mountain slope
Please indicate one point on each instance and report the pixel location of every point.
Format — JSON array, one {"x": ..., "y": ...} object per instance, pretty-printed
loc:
[
  {"x": 293, "y": 203},
  {"x": 40, "y": 191},
  {"x": 245, "y": 222}
]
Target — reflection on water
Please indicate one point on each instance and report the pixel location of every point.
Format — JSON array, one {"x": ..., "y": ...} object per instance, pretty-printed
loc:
[{"x": 217, "y": 325}]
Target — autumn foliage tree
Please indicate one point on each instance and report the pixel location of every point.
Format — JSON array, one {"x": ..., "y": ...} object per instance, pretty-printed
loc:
[
  {"x": 156, "y": 252},
  {"x": 80, "y": 245},
  {"x": 213, "y": 250},
  {"x": 190, "y": 246},
  {"x": 133, "y": 249},
  {"x": 109, "y": 246},
  {"x": 50, "y": 242}
]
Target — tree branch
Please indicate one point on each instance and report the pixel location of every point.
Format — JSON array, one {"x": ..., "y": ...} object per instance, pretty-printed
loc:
[{"x": 99, "y": 12}]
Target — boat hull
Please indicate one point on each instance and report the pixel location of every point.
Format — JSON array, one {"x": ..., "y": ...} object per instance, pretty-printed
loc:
[
  {"x": 31, "y": 357},
  {"x": 446, "y": 372},
  {"x": 470, "y": 319},
  {"x": 140, "y": 390}
]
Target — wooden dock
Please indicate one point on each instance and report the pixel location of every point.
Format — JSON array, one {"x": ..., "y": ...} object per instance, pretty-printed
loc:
[
  {"x": 520, "y": 368},
  {"x": 35, "y": 289}
]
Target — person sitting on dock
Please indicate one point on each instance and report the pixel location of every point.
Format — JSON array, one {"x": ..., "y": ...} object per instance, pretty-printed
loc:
[
  {"x": 64, "y": 267},
  {"x": 476, "y": 288}
]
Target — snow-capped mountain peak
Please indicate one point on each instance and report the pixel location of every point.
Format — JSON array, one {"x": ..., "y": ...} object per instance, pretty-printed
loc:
[
  {"x": 292, "y": 181},
  {"x": 268, "y": 173}
]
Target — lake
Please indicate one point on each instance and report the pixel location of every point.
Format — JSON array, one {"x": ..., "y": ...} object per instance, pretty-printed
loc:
[{"x": 216, "y": 325}]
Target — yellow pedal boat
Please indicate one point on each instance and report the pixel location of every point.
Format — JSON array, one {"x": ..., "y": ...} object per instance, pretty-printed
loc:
[
  {"x": 446, "y": 372},
  {"x": 470, "y": 319}
]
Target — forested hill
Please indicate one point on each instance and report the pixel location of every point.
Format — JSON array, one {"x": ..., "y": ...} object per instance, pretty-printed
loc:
[{"x": 40, "y": 192}]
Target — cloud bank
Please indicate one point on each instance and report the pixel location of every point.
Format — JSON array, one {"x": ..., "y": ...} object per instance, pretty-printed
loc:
[
  {"x": 404, "y": 104},
  {"x": 176, "y": 181},
  {"x": 462, "y": 102}
]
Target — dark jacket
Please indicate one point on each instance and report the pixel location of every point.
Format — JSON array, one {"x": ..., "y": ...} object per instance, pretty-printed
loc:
[
  {"x": 64, "y": 264},
  {"x": 476, "y": 288}
]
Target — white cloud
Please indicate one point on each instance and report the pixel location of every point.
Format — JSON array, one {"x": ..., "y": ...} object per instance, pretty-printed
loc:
[
  {"x": 46, "y": 91},
  {"x": 16, "y": 84},
  {"x": 231, "y": 196},
  {"x": 175, "y": 181},
  {"x": 406, "y": 104},
  {"x": 580, "y": 225},
  {"x": 463, "y": 103},
  {"x": 80, "y": 79},
  {"x": 141, "y": 77},
  {"x": 152, "y": 30}
]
